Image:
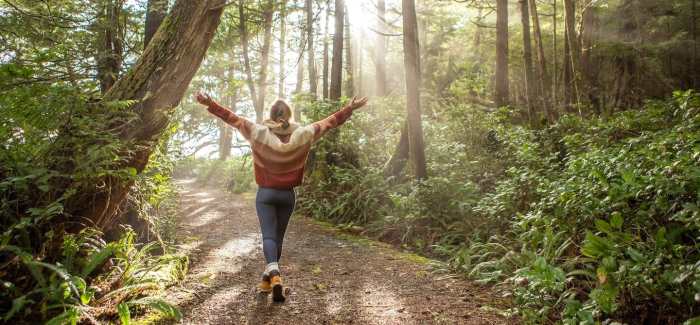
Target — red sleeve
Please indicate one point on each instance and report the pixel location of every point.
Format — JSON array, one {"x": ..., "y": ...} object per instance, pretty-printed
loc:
[
  {"x": 335, "y": 120},
  {"x": 231, "y": 118}
]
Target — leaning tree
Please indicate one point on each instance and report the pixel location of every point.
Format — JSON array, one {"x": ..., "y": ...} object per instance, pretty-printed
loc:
[{"x": 155, "y": 84}]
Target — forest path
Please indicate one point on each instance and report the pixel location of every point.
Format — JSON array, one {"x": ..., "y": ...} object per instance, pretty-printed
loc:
[{"x": 334, "y": 278}]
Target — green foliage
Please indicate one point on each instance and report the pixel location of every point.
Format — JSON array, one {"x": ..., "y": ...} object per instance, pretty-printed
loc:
[
  {"x": 591, "y": 219},
  {"x": 57, "y": 151},
  {"x": 68, "y": 285}
]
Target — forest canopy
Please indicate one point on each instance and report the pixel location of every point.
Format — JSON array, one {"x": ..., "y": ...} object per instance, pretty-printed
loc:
[{"x": 548, "y": 149}]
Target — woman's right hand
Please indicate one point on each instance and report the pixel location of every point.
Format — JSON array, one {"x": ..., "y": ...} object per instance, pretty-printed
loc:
[{"x": 204, "y": 98}]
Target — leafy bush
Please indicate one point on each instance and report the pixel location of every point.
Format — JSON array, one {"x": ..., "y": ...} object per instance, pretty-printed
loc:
[
  {"x": 588, "y": 220},
  {"x": 57, "y": 150}
]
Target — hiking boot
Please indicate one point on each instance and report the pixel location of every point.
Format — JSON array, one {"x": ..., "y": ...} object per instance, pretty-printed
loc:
[
  {"x": 277, "y": 289},
  {"x": 264, "y": 285}
]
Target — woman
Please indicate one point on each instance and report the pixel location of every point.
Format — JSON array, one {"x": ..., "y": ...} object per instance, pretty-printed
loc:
[{"x": 280, "y": 148}]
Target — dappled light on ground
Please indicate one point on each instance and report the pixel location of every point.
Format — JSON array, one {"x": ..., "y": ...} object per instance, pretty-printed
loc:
[{"x": 332, "y": 279}]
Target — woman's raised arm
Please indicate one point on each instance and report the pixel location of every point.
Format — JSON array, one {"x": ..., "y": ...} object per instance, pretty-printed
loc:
[
  {"x": 338, "y": 118},
  {"x": 228, "y": 116}
]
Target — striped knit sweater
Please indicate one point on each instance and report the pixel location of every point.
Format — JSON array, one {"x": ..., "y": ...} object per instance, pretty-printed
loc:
[{"x": 279, "y": 160}]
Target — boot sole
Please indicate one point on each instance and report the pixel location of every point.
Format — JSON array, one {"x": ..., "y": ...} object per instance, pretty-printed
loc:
[{"x": 277, "y": 293}]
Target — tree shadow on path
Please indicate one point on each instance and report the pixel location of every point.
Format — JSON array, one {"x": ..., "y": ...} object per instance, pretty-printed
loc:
[{"x": 333, "y": 279}]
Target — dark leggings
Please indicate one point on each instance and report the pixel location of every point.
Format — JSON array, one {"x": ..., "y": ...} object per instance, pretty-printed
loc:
[{"x": 274, "y": 209}]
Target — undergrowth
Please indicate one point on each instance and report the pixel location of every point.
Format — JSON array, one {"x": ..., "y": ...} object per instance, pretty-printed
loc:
[
  {"x": 55, "y": 266},
  {"x": 589, "y": 220}
]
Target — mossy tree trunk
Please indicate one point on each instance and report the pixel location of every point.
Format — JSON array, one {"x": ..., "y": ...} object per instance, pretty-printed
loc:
[
  {"x": 157, "y": 82},
  {"x": 110, "y": 46},
  {"x": 156, "y": 10}
]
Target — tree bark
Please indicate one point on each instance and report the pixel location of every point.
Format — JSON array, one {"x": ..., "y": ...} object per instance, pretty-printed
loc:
[
  {"x": 300, "y": 84},
  {"x": 574, "y": 48},
  {"x": 694, "y": 34},
  {"x": 300, "y": 73},
  {"x": 349, "y": 67},
  {"x": 380, "y": 49},
  {"x": 527, "y": 58},
  {"x": 313, "y": 79},
  {"x": 555, "y": 51},
  {"x": 156, "y": 10},
  {"x": 326, "y": 54},
  {"x": 568, "y": 73},
  {"x": 225, "y": 140},
  {"x": 243, "y": 32},
  {"x": 283, "y": 49},
  {"x": 225, "y": 131},
  {"x": 543, "y": 84},
  {"x": 158, "y": 86},
  {"x": 337, "y": 67},
  {"x": 411, "y": 49},
  {"x": 589, "y": 72},
  {"x": 268, "y": 12},
  {"x": 300, "y": 68},
  {"x": 110, "y": 45},
  {"x": 502, "y": 92},
  {"x": 398, "y": 160}
]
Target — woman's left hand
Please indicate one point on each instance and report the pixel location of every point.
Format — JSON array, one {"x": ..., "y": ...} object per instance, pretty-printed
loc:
[{"x": 357, "y": 103}]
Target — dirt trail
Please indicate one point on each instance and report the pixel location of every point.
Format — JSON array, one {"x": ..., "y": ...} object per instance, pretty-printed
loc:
[{"x": 334, "y": 279}]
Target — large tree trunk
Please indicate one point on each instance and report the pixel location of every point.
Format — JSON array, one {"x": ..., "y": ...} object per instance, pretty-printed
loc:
[
  {"x": 110, "y": 45},
  {"x": 349, "y": 67},
  {"x": 411, "y": 50},
  {"x": 527, "y": 58},
  {"x": 337, "y": 67},
  {"x": 568, "y": 73},
  {"x": 300, "y": 68},
  {"x": 313, "y": 79},
  {"x": 225, "y": 131},
  {"x": 300, "y": 73},
  {"x": 326, "y": 54},
  {"x": 502, "y": 92},
  {"x": 574, "y": 48},
  {"x": 157, "y": 85},
  {"x": 225, "y": 140},
  {"x": 543, "y": 84},
  {"x": 401, "y": 153},
  {"x": 156, "y": 10},
  {"x": 243, "y": 32},
  {"x": 694, "y": 35},
  {"x": 268, "y": 11},
  {"x": 555, "y": 51},
  {"x": 283, "y": 49},
  {"x": 589, "y": 71},
  {"x": 380, "y": 49},
  {"x": 300, "y": 84}
]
